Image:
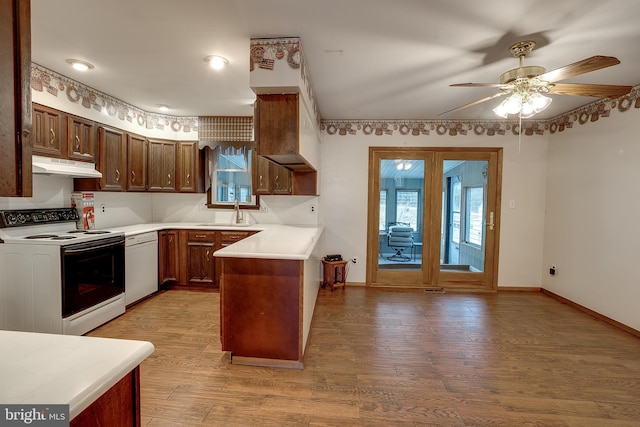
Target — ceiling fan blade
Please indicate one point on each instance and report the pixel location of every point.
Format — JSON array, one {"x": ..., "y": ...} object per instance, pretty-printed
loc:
[
  {"x": 581, "y": 67},
  {"x": 498, "y": 85},
  {"x": 476, "y": 102},
  {"x": 598, "y": 91}
]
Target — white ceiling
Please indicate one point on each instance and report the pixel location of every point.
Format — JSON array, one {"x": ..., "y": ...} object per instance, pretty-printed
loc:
[{"x": 368, "y": 59}]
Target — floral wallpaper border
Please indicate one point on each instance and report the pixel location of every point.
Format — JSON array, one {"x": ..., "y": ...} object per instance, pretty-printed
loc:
[{"x": 43, "y": 79}]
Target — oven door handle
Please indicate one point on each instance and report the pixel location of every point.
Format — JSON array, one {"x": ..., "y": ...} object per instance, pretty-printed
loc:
[{"x": 90, "y": 246}]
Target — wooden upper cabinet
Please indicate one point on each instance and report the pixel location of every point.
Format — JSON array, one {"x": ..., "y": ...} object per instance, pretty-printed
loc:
[
  {"x": 136, "y": 162},
  {"x": 262, "y": 183},
  {"x": 278, "y": 139},
  {"x": 270, "y": 178},
  {"x": 162, "y": 165},
  {"x": 189, "y": 169},
  {"x": 112, "y": 159},
  {"x": 81, "y": 140},
  {"x": 47, "y": 131},
  {"x": 277, "y": 128}
]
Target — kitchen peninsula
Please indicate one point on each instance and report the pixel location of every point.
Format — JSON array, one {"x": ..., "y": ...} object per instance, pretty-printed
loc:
[
  {"x": 268, "y": 290},
  {"x": 269, "y": 283}
]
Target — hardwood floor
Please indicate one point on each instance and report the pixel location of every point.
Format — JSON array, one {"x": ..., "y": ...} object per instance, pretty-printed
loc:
[{"x": 393, "y": 358}]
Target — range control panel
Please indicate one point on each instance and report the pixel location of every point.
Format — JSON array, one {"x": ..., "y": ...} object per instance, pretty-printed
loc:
[{"x": 24, "y": 217}]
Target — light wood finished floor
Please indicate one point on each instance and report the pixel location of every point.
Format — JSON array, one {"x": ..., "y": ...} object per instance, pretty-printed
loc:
[{"x": 393, "y": 358}]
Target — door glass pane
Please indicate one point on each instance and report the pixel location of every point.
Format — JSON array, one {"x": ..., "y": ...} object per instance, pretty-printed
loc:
[
  {"x": 401, "y": 214},
  {"x": 464, "y": 199}
]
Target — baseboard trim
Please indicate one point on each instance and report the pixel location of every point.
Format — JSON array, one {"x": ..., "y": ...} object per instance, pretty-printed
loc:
[
  {"x": 518, "y": 289},
  {"x": 595, "y": 314}
]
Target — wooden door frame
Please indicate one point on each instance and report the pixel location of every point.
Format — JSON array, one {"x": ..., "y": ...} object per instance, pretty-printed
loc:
[{"x": 430, "y": 275}]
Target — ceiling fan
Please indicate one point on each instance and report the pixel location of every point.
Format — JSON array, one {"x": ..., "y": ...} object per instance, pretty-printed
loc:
[{"x": 526, "y": 85}]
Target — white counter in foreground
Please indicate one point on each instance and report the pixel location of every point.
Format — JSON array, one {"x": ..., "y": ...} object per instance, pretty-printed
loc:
[{"x": 64, "y": 369}]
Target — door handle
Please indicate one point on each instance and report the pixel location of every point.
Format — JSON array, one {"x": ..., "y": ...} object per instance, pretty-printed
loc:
[{"x": 491, "y": 223}]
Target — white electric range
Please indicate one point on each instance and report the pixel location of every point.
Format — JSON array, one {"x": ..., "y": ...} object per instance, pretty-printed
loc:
[{"x": 55, "y": 278}]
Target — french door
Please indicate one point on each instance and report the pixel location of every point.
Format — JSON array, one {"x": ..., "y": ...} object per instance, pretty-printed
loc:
[{"x": 433, "y": 217}]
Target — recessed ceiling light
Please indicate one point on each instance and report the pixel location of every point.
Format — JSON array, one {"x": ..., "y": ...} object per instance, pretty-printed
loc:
[
  {"x": 80, "y": 65},
  {"x": 216, "y": 62},
  {"x": 164, "y": 108}
]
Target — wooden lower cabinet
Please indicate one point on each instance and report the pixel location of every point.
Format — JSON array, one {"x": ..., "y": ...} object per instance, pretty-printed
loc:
[
  {"x": 200, "y": 263},
  {"x": 168, "y": 255},
  {"x": 186, "y": 256},
  {"x": 118, "y": 406}
]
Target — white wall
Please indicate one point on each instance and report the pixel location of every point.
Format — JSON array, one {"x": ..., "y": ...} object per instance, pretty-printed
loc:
[
  {"x": 48, "y": 192},
  {"x": 344, "y": 187},
  {"x": 591, "y": 231}
]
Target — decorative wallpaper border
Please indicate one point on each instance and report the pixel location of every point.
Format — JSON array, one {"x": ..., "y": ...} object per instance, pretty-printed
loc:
[
  {"x": 266, "y": 54},
  {"x": 587, "y": 113},
  {"x": 43, "y": 79}
]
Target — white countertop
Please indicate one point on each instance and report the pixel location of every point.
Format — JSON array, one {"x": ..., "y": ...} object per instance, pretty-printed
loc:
[
  {"x": 64, "y": 369},
  {"x": 273, "y": 241}
]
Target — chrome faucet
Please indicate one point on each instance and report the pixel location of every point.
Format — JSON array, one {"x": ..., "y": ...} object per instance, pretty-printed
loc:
[{"x": 236, "y": 208}]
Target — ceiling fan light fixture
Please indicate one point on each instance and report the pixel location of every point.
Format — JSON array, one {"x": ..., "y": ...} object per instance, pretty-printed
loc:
[{"x": 527, "y": 106}]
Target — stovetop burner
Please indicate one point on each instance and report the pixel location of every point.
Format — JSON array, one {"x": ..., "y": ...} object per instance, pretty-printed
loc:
[
  {"x": 88, "y": 232},
  {"x": 42, "y": 236},
  {"x": 63, "y": 237}
]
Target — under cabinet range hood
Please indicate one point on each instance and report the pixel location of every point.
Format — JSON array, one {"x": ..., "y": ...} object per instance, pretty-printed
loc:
[{"x": 71, "y": 168}]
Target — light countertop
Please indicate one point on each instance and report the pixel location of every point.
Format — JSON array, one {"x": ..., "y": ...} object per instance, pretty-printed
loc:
[
  {"x": 64, "y": 369},
  {"x": 273, "y": 241}
]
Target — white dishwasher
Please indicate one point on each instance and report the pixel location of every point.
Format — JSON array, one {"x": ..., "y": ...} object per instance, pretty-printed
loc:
[{"x": 141, "y": 266}]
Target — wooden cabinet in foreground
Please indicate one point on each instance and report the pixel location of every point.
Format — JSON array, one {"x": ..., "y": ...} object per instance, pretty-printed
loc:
[
  {"x": 15, "y": 98},
  {"x": 118, "y": 406}
]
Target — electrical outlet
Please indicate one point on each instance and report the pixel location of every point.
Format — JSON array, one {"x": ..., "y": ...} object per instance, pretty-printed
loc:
[
  {"x": 552, "y": 270},
  {"x": 103, "y": 208},
  {"x": 313, "y": 208}
]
